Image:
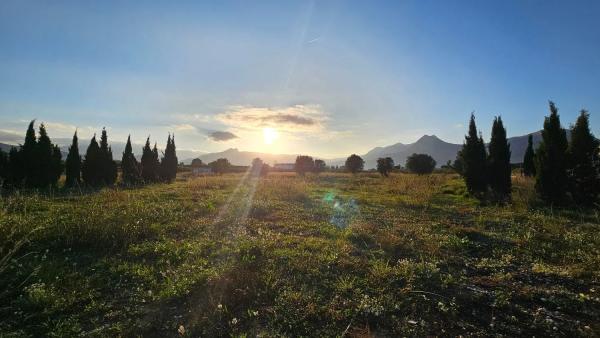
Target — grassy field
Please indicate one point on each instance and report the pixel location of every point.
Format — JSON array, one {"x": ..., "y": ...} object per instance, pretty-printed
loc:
[{"x": 329, "y": 255}]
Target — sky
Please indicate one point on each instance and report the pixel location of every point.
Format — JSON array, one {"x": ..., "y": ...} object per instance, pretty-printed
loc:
[{"x": 326, "y": 78}]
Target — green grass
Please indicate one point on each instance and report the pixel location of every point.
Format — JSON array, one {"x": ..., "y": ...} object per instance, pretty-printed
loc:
[{"x": 326, "y": 255}]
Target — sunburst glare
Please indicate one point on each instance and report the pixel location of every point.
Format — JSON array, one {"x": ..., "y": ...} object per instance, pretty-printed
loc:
[{"x": 270, "y": 135}]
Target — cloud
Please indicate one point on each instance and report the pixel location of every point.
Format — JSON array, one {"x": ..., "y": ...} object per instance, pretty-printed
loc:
[
  {"x": 11, "y": 136},
  {"x": 183, "y": 127},
  {"x": 221, "y": 136},
  {"x": 292, "y": 118}
]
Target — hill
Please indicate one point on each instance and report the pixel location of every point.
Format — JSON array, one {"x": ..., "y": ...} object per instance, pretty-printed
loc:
[{"x": 440, "y": 150}]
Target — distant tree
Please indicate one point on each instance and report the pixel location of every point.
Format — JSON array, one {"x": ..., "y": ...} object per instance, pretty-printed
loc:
[
  {"x": 448, "y": 165},
  {"x": 458, "y": 164},
  {"x": 29, "y": 158},
  {"x": 15, "y": 173},
  {"x": 499, "y": 169},
  {"x": 220, "y": 166},
  {"x": 197, "y": 162},
  {"x": 354, "y": 163},
  {"x": 168, "y": 163},
  {"x": 108, "y": 167},
  {"x": 385, "y": 165},
  {"x": 304, "y": 164},
  {"x": 264, "y": 170},
  {"x": 149, "y": 168},
  {"x": 584, "y": 179},
  {"x": 550, "y": 161},
  {"x": 73, "y": 164},
  {"x": 259, "y": 168},
  {"x": 474, "y": 160},
  {"x": 320, "y": 166},
  {"x": 420, "y": 164},
  {"x": 91, "y": 166},
  {"x": 529, "y": 159},
  {"x": 130, "y": 168}
]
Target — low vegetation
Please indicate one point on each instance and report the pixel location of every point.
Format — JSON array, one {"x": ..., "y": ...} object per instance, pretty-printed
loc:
[{"x": 283, "y": 255}]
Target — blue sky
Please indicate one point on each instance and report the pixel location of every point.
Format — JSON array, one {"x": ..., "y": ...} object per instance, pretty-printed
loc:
[{"x": 329, "y": 78}]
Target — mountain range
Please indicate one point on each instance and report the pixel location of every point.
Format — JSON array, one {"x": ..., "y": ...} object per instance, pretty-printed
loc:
[{"x": 440, "y": 150}]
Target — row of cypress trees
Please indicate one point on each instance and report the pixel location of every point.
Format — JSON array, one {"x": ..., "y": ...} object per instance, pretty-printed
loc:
[
  {"x": 561, "y": 169},
  {"x": 150, "y": 168},
  {"x": 38, "y": 163},
  {"x": 564, "y": 169}
]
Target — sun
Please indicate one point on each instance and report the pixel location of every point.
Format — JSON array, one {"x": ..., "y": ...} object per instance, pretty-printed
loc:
[{"x": 270, "y": 135}]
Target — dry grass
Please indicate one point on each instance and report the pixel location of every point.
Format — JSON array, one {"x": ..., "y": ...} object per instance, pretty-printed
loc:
[{"x": 297, "y": 256}]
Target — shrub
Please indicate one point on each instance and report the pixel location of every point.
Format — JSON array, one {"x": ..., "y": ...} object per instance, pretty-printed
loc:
[{"x": 420, "y": 164}]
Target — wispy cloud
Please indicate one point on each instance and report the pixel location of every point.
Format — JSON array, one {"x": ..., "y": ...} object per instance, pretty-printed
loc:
[
  {"x": 222, "y": 136},
  {"x": 292, "y": 118}
]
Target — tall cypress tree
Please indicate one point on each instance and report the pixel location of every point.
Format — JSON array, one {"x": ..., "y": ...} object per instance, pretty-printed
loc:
[
  {"x": 113, "y": 172},
  {"x": 584, "y": 183},
  {"x": 148, "y": 168},
  {"x": 90, "y": 169},
  {"x": 16, "y": 174},
  {"x": 129, "y": 165},
  {"x": 528, "y": 159},
  {"x": 29, "y": 158},
  {"x": 499, "y": 161},
  {"x": 168, "y": 165},
  {"x": 57, "y": 165},
  {"x": 551, "y": 169},
  {"x": 474, "y": 160},
  {"x": 108, "y": 167},
  {"x": 73, "y": 163},
  {"x": 155, "y": 163},
  {"x": 44, "y": 152},
  {"x": 3, "y": 167}
]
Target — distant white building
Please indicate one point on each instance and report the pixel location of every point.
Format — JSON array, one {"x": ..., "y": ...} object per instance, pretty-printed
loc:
[
  {"x": 202, "y": 170},
  {"x": 284, "y": 166}
]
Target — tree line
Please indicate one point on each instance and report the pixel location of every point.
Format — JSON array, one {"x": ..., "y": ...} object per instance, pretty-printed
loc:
[
  {"x": 37, "y": 163},
  {"x": 562, "y": 170}
]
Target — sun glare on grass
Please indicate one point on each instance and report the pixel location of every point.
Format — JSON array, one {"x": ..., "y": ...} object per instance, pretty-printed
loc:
[{"x": 270, "y": 135}]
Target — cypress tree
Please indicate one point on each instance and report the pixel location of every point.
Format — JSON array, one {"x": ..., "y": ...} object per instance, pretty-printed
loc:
[
  {"x": 169, "y": 161},
  {"x": 44, "y": 152},
  {"x": 474, "y": 160},
  {"x": 29, "y": 158},
  {"x": 155, "y": 163},
  {"x": 148, "y": 170},
  {"x": 499, "y": 161},
  {"x": 90, "y": 169},
  {"x": 551, "y": 172},
  {"x": 528, "y": 159},
  {"x": 15, "y": 172},
  {"x": 129, "y": 165},
  {"x": 584, "y": 183},
  {"x": 57, "y": 165},
  {"x": 73, "y": 164},
  {"x": 111, "y": 176},
  {"x": 108, "y": 167},
  {"x": 3, "y": 167}
]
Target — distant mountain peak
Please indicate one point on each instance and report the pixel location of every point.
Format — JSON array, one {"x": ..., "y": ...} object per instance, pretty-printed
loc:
[{"x": 428, "y": 137}]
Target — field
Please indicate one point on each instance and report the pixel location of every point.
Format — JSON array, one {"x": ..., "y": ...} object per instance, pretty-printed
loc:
[{"x": 328, "y": 255}]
